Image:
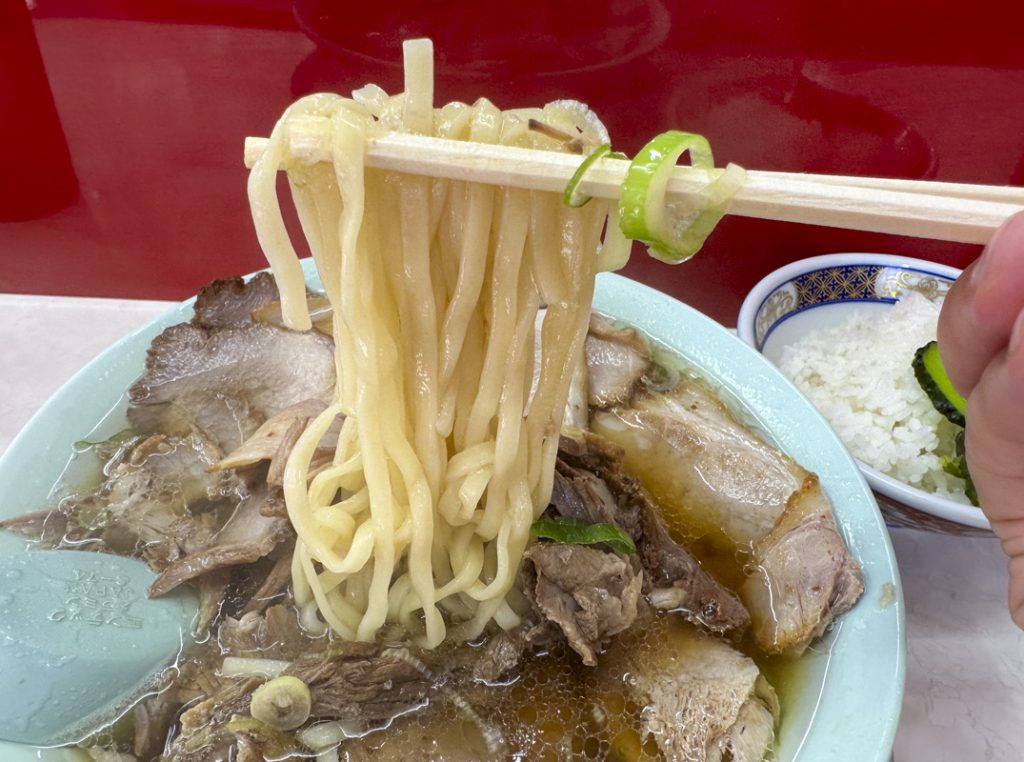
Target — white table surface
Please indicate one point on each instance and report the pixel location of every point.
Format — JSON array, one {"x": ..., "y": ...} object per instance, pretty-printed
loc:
[{"x": 965, "y": 663}]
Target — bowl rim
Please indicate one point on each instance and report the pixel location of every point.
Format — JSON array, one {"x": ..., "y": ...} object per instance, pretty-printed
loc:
[
  {"x": 918, "y": 499},
  {"x": 926, "y": 502},
  {"x": 756, "y": 297}
]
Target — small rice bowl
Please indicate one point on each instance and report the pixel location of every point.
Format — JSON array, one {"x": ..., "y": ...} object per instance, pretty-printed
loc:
[{"x": 860, "y": 376}]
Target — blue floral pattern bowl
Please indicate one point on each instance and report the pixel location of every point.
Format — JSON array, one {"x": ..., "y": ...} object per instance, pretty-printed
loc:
[{"x": 821, "y": 292}]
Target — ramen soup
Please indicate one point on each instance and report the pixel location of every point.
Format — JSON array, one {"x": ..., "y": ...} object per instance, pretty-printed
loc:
[
  {"x": 440, "y": 510},
  {"x": 680, "y": 562}
]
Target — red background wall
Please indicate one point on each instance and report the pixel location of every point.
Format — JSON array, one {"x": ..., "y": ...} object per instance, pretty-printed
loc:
[{"x": 153, "y": 101}]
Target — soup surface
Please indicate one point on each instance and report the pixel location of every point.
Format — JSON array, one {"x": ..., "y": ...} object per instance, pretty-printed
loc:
[{"x": 676, "y": 671}]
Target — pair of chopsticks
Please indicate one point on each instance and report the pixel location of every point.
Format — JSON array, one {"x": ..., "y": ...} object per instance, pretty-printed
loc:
[{"x": 958, "y": 212}]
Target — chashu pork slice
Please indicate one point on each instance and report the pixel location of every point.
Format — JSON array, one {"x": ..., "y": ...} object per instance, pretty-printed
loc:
[
  {"x": 804, "y": 576},
  {"x": 689, "y": 450},
  {"x": 229, "y": 381},
  {"x": 230, "y": 302},
  {"x": 246, "y": 537},
  {"x": 225, "y": 372},
  {"x": 590, "y": 594},
  {"x": 718, "y": 476},
  {"x": 616, "y": 360},
  {"x": 702, "y": 699}
]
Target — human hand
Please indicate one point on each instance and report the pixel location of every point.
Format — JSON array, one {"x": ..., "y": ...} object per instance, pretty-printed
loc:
[{"x": 981, "y": 341}]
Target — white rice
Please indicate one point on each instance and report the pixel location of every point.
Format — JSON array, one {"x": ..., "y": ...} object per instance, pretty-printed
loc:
[{"x": 860, "y": 376}]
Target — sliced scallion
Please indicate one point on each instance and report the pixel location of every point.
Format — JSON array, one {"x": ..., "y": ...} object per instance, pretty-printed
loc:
[
  {"x": 677, "y": 234},
  {"x": 615, "y": 248},
  {"x": 572, "y": 196}
]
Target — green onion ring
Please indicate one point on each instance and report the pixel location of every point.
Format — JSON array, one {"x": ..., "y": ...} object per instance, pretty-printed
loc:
[
  {"x": 615, "y": 247},
  {"x": 642, "y": 212},
  {"x": 571, "y": 196}
]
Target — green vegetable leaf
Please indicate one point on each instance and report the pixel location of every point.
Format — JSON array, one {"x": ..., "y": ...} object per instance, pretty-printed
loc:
[
  {"x": 932, "y": 376},
  {"x": 576, "y": 532},
  {"x": 954, "y": 466},
  {"x": 119, "y": 438}
]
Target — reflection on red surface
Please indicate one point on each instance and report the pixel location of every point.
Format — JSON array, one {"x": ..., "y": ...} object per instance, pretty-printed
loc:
[
  {"x": 37, "y": 175},
  {"x": 528, "y": 38},
  {"x": 155, "y": 100}
]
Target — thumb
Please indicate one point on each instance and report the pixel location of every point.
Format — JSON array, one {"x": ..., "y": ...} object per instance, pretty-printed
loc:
[
  {"x": 995, "y": 454},
  {"x": 978, "y": 313}
]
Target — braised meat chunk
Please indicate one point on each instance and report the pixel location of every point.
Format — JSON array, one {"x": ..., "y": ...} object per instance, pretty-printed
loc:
[
  {"x": 719, "y": 478},
  {"x": 590, "y": 594},
  {"x": 591, "y": 484}
]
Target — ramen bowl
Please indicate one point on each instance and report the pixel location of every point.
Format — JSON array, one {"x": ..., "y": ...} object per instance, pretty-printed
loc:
[
  {"x": 841, "y": 699},
  {"x": 822, "y": 292}
]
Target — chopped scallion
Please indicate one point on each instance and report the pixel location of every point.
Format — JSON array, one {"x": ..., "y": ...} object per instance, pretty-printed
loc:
[
  {"x": 677, "y": 234},
  {"x": 572, "y": 195}
]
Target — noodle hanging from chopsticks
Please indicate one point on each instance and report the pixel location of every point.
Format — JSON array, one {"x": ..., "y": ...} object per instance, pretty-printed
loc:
[{"x": 450, "y": 417}]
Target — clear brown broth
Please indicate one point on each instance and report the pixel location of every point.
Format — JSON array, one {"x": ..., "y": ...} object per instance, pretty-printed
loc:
[{"x": 555, "y": 708}]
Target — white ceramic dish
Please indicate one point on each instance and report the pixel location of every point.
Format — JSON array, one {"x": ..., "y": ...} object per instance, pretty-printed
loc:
[
  {"x": 842, "y": 700},
  {"x": 822, "y": 292}
]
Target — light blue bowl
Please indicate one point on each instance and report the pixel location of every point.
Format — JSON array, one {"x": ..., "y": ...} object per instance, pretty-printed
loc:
[
  {"x": 822, "y": 292},
  {"x": 842, "y": 701}
]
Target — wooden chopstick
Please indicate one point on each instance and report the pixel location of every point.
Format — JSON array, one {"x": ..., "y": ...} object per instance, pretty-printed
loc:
[
  {"x": 1006, "y": 194},
  {"x": 942, "y": 211}
]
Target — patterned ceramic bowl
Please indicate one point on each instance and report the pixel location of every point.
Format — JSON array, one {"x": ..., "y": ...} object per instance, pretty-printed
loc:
[{"x": 821, "y": 292}]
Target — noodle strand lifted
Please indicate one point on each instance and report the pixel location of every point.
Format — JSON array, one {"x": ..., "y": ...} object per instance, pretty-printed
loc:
[{"x": 450, "y": 411}]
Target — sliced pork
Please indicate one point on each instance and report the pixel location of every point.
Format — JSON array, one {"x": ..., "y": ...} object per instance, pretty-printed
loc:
[
  {"x": 804, "y": 574},
  {"x": 275, "y": 634},
  {"x": 231, "y": 301},
  {"x": 616, "y": 360},
  {"x": 229, "y": 381},
  {"x": 753, "y": 733},
  {"x": 504, "y": 650},
  {"x": 227, "y": 373},
  {"x": 691, "y": 451},
  {"x": 364, "y": 683},
  {"x": 277, "y": 579},
  {"x": 720, "y": 477},
  {"x": 202, "y": 735},
  {"x": 679, "y": 583},
  {"x": 277, "y": 431},
  {"x": 702, "y": 699},
  {"x": 48, "y": 526},
  {"x": 245, "y": 538},
  {"x": 159, "y": 501}
]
